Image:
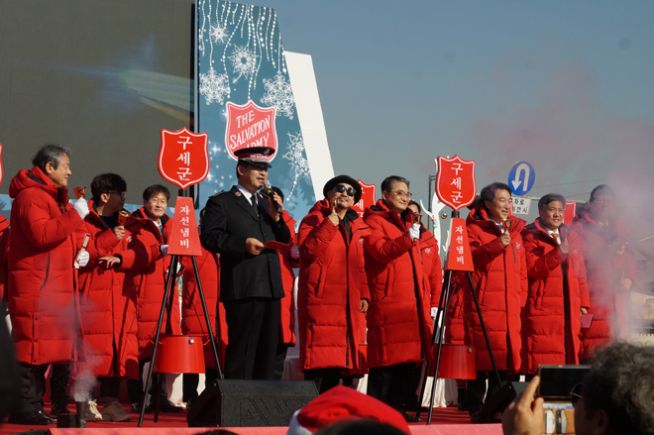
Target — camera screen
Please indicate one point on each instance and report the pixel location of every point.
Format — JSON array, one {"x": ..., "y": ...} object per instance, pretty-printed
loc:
[{"x": 556, "y": 381}]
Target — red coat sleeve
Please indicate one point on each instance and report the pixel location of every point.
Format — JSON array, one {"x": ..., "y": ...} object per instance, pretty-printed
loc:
[
  {"x": 41, "y": 229},
  {"x": 381, "y": 247},
  {"x": 483, "y": 253},
  {"x": 315, "y": 237},
  {"x": 540, "y": 264}
]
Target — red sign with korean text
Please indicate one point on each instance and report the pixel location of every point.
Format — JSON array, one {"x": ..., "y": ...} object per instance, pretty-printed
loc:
[
  {"x": 455, "y": 182},
  {"x": 569, "y": 212},
  {"x": 459, "y": 256},
  {"x": 183, "y": 157},
  {"x": 2, "y": 169},
  {"x": 251, "y": 127},
  {"x": 367, "y": 197},
  {"x": 184, "y": 238}
]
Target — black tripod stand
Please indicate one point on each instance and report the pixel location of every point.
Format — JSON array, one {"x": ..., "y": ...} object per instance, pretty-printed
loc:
[
  {"x": 168, "y": 300},
  {"x": 439, "y": 335}
]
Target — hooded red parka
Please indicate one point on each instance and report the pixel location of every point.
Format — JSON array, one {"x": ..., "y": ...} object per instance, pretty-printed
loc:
[
  {"x": 287, "y": 303},
  {"x": 193, "y": 321},
  {"x": 42, "y": 280},
  {"x": 148, "y": 279},
  {"x": 557, "y": 292},
  {"x": 107, "y": 306},
  {"x": 399, "y": 321},
  {"x": 500, "y": 279},
  {"x": 332, "y": 282},
  {"x": 608, "y": 261}
]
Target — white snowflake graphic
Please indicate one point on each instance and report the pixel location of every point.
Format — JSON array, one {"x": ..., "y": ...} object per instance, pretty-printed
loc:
[
  {"x": 214, "y": 87},
  {"x": 297, "y": 159},
  {"x": 278, "y": 94},
  {"x": 218, "y": 33},
  {"x": 244, "y": 62}
]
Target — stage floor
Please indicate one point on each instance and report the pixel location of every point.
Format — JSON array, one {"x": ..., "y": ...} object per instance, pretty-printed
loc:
[{"x": 445, "y": 421}]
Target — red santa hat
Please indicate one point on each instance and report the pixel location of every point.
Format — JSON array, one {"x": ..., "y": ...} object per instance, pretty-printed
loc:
[{"x": 342, "y": 403}]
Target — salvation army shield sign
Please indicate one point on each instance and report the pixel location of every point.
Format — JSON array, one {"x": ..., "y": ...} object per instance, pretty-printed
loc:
[
  {"x": 455, "y": 182},
  {"x": 367, "y": 198},
  {"x": 183, "y": 157},
  {"x": 250, "y": 127}
]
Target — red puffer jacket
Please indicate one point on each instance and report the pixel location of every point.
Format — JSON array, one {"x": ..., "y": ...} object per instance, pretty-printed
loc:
[
  {"x": 399, "y": 322},
  {"x": 557, "y": 291},
  {"x": 107, "y": 307},
  {"x": 431, "y": 265},
  {"x": 500, "y": 279},
  {"x": 331, "y": 285},
  {"x": 148, "y": 279},
  {"x": 193, "y": 321},
  {"x": 608, "y": 261},
  {"x": 4, "y": 252},
  {"x": 42, "y": 279},
  {"x": 287, "y": 303}
]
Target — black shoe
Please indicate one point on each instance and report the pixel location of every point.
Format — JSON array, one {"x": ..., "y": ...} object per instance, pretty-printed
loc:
[
  {"x": 166, "y": 406},
  {"x": 410, "y": 418},
  {"x": 59, "y": 408},
  {"x": 37, "y": 418}
]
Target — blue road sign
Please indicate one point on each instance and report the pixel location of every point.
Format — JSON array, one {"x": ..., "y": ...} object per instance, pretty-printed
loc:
[{"x": 521, "y": 178}]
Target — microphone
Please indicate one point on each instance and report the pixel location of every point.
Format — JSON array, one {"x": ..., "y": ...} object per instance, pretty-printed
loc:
[{"x": 269, "y": 193}]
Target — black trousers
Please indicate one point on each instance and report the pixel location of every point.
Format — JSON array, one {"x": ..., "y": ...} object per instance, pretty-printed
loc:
[
  {"x": 395, "y": 385},
  {"x": 475, "y": 390},
  {"x": 280, "y": 357},
  {"x": 328, "y": 378},
  {"x": 253, "y": 328},
  {"x": 31, "y": 387}
]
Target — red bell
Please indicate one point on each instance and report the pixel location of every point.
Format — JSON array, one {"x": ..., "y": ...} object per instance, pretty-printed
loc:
[
  {"x": 457, "y": 362},
  {"x": 179, "y": 354}
]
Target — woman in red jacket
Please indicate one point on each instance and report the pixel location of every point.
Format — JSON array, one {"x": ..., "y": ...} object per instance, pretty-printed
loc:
[
  {"x": 399, "y": 321},
  {"x": 500, "y": 280},
  {"x": 150, "y": 228},
  {"x": 332, "y": 291},
  {"x": 109, "y": 347},
  {"x": 558, "y": 295},
  {"x": 193, "y": 321},
  {"x": 289, "y": 257},
  {"x": 610, "y": 267}
]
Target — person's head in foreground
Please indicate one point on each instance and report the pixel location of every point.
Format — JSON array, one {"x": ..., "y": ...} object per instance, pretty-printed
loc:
[
  {"x": 329, "y": 412},
  {"x": 615, "y": 397}
]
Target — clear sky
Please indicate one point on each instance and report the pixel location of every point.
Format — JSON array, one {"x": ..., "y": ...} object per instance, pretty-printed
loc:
[{"x": 565, "y": 85}]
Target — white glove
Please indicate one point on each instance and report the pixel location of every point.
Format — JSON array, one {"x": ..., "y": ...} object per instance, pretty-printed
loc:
[
  {"x": 414, "y": 231},
  {"x": 82, "y": 258},
  {"x": 81, "y": 207},
  {"x": 163, "y": 249}
]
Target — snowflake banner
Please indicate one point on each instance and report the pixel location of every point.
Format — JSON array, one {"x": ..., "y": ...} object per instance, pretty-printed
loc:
[{"x": 241, "y": 61}]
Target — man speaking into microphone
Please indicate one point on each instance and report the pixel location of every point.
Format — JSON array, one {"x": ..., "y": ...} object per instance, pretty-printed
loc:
[{"x": 237, "y": 224}]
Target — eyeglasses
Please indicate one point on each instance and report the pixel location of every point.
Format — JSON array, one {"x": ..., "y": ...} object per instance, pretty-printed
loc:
[
  {"x": 402, "y": 193},
  {"x": 342, "y": 188},
  {"x": 575, "y": 394}
]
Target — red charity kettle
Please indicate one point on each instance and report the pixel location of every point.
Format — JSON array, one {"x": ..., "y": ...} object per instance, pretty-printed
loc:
[
  {"x": 179, "y": 354},
  {"x": 457, "y": 362}
]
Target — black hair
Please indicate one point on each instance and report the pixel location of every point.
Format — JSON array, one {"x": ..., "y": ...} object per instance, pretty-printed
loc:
[
  {"x": 621, "y": 383},
  {"x": 156, "y": 189},
  {"x": 602, "y": 189},
  {"x": 545, "y": 200},
  {"x": 488, "y": 194},
  {"x": 105, "y": 183},
  {"x": 387, "y": 184},
  {"x": 49, "y": 154}
]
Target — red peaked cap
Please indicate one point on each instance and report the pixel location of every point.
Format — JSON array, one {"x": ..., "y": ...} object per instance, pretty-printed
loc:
[
  {"x": 255, "y": 155},
  {"x": 344, "y": 403}
]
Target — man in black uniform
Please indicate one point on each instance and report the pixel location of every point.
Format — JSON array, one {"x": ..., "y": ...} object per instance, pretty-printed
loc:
[{"x": 236, "y": 224}]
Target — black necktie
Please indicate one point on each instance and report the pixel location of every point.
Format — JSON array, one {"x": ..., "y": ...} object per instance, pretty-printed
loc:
[{"x": 255, "y": 203}]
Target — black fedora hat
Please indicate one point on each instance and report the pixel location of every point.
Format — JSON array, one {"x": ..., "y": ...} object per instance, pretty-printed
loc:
[{"x": 343, "y": 179}]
